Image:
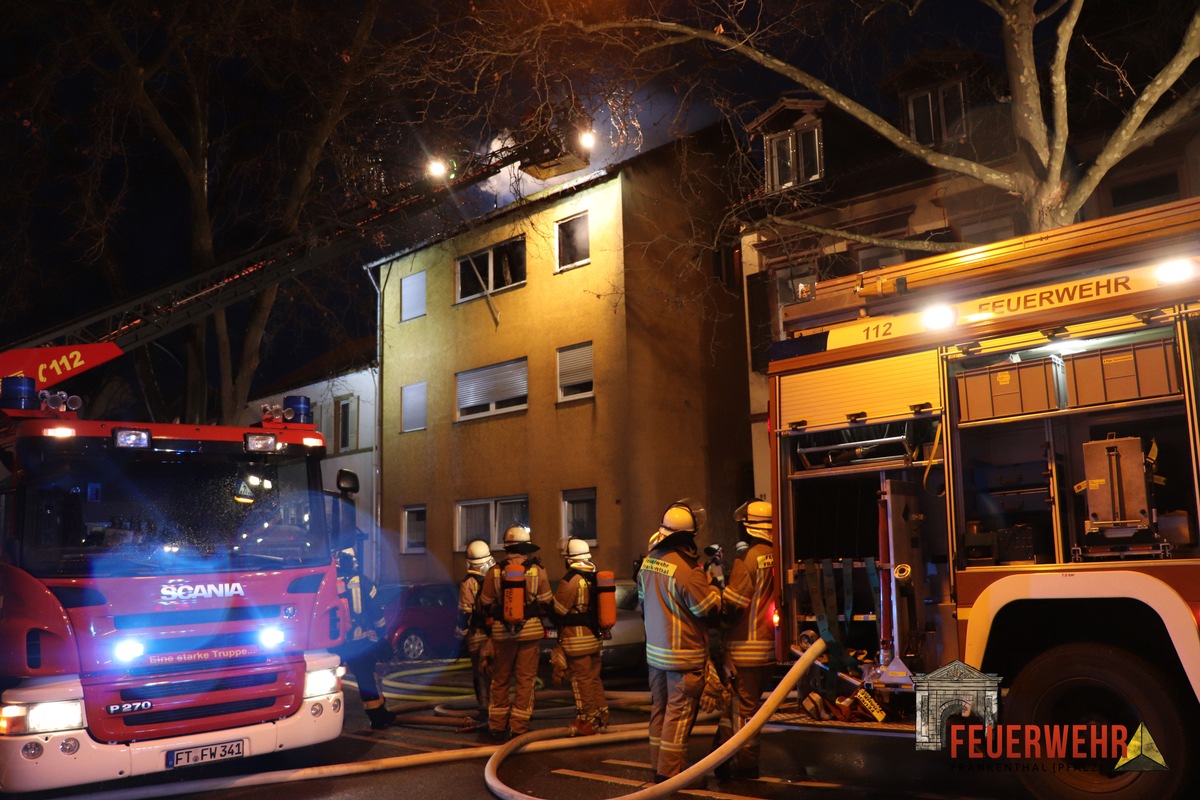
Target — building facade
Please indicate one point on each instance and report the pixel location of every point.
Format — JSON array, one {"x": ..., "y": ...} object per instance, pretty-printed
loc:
[{"x": 572, "y": 363}]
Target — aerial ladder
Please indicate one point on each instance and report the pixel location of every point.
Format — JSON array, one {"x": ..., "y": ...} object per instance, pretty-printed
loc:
[{"x": 87, "y": 342}]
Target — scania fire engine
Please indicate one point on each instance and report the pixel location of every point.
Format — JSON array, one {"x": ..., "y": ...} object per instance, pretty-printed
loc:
[
  {"x": 167, "y": 591},
  {"x": 985, "y": 476}
]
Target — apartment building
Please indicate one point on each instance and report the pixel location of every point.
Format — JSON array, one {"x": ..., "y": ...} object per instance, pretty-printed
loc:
[{"x": 575, "y": 362}]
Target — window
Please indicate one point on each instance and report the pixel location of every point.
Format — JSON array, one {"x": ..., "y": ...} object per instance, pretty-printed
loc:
[
  {"x": 412, "y": 296},
  {"x": 579, "y": 514},
  {"x": 794, "y": 284},
  {"x": 492, "y": 269},
  {"x": 574, "y": 248},
  {"x": 794, "y": 158},
  {"x": 575, "y": 371},
  {"x": 936, "y": 115},
  {"x": 986, "y": 231},
  {"x": 488, "y": 519},
  {"x": 875, "y": 257},
  {"x": 345, "y": 424},
  {"x": 412, "y": 407},
  {"x": 1145, "y": 193},
  {"x": 413, "y": 532},
  {"x": 500, "y": 387}
]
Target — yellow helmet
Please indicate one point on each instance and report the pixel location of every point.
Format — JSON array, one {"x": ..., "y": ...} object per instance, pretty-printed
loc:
[
  {"x": 757, "y": 519},
  {"x": 679, "y": 518}
]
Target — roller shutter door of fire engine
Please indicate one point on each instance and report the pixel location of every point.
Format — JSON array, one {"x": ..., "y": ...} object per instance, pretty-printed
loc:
[{"x": 883, "y": 389}]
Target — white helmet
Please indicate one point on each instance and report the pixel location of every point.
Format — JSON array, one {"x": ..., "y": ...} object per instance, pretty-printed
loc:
[
  {"x": 757, "y": 519},
  {"x": 517, "y": 540},
  {"x": 579, "y": 555},
  {"x": 479, "y": 555}
]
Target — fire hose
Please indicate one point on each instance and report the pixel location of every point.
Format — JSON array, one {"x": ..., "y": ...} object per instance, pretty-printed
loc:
[
  {"x": 684, "y": 779},
  {"x": 530, "y": 742}
]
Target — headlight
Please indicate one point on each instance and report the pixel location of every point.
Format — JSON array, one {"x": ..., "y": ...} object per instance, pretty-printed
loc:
[
  {"x": 321, "y": 682},
  {"x": 61, "y": 715}
]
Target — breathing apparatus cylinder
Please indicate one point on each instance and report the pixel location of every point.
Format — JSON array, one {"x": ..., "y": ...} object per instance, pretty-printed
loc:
[
  {"x": 606, "y": 599},
  {"x": 512, "y": 590}
]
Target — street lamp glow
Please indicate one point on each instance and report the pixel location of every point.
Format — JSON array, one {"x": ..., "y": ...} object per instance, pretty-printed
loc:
[
  {"x": 587, "y": 139},
  {"x": 438, "y": 168}
]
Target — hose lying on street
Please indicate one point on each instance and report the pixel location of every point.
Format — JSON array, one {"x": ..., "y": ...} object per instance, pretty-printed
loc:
[
  {"x": 526, "y": 742},
  {"x": 684, "y": 779}
]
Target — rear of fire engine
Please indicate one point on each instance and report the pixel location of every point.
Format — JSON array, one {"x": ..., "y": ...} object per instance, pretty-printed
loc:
[
  {"x": 167, "y": 594},
  {"x": 986, "y": 480}
]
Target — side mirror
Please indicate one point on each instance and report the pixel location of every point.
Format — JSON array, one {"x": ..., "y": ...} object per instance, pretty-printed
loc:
[{"x": 347, "y": 481}]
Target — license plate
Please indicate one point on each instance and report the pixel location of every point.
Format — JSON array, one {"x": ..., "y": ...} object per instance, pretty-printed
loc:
[
  {"x": 202, "y": 755},
  {"x": 551, "y": 633}
]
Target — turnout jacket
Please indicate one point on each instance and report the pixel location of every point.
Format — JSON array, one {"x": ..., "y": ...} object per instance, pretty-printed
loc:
[
  {"x": 574, "y": 615},
  {"x": 749, "y": 601},
  {"x": 538, "y": 597},
  {"x": 677, "y": 600},
  {"x": 472, "y": 621}
]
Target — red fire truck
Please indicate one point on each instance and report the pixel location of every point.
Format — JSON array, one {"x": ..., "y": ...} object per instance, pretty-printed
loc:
[
  {"x": 985, "y": 474},
  {"x": 167, "y": 591}
]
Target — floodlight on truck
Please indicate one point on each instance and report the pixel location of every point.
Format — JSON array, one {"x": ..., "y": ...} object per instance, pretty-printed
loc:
[
  {"x": 939, "y": 317},
  {"x": 1175, "y": 271},
  {"x": 131, "y": 437}
]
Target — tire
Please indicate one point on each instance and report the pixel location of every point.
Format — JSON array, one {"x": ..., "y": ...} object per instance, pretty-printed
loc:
[
  {"x": 1087, "y": 683},
  {"x": 412, "y": 646}
]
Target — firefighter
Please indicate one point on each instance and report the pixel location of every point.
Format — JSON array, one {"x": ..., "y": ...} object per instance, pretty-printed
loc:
[
  {"x": 366, "y": 632},
  {"x": 714, "y": 567},
  {"x": 473, "y": 624},
  {"x": 515, "y": 641},
  {"x": 678, "y": 603},
  {"x": 749, "y": 605},
  {"x": 577, "y": 617}
]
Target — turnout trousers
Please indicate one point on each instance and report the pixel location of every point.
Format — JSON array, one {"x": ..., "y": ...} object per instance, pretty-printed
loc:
[
  {"x": 515, "y": 668},
  {"x": 674, "y": 698},
  {"x": 746, "y": 699}
]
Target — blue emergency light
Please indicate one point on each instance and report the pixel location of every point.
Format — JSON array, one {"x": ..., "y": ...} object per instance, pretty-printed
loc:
[
  {"x": 18, "y": 392},
  {"x": 296, "y": 408}
]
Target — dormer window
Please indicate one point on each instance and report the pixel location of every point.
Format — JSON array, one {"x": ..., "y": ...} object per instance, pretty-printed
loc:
[
  {"x": 935, "y": 115},
  {"x": 793, "y": 157}
]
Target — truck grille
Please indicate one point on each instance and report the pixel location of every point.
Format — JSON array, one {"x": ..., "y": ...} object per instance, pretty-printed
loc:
[{"x": 222, "y": 696}]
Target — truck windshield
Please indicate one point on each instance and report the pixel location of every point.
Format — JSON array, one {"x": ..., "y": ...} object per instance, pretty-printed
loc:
[{"x": 99, "y": 513}]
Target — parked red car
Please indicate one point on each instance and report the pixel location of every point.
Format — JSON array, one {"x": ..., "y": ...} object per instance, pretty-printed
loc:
[{"x": 421, "y": 618}]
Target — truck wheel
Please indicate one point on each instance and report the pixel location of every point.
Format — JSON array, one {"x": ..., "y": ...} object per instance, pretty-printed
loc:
[{"x": 1096, "y": 684}]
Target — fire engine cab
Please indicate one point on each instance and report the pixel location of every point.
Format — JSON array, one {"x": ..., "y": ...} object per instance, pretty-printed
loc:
[{"x": 167, "y": 591}]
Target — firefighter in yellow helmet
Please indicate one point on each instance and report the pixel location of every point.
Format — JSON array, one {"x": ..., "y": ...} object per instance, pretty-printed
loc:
[
  {"x": 366, "y": 632},
  {"x": 474, "y": 628},
  {"x": 576, "y": 614},
  {"x": 749, "y": 606},
  {"x": 678, "y": 603},
  {"x": 515, "y": 641}
]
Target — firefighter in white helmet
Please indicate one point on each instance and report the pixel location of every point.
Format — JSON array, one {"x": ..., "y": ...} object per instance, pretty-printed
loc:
[
  {"x": 678, "y": 602},
  {"x": 576, "y": 614},
  {"x": 474, "y": 627},
  {"x": 515, "y": 641},
  {"x": 749, "y": 606}
]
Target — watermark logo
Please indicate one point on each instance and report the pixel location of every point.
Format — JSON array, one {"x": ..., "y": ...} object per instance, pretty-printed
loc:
[
  {"x": 958, "y": 689},
  {"x": 953, "y": 689}
]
